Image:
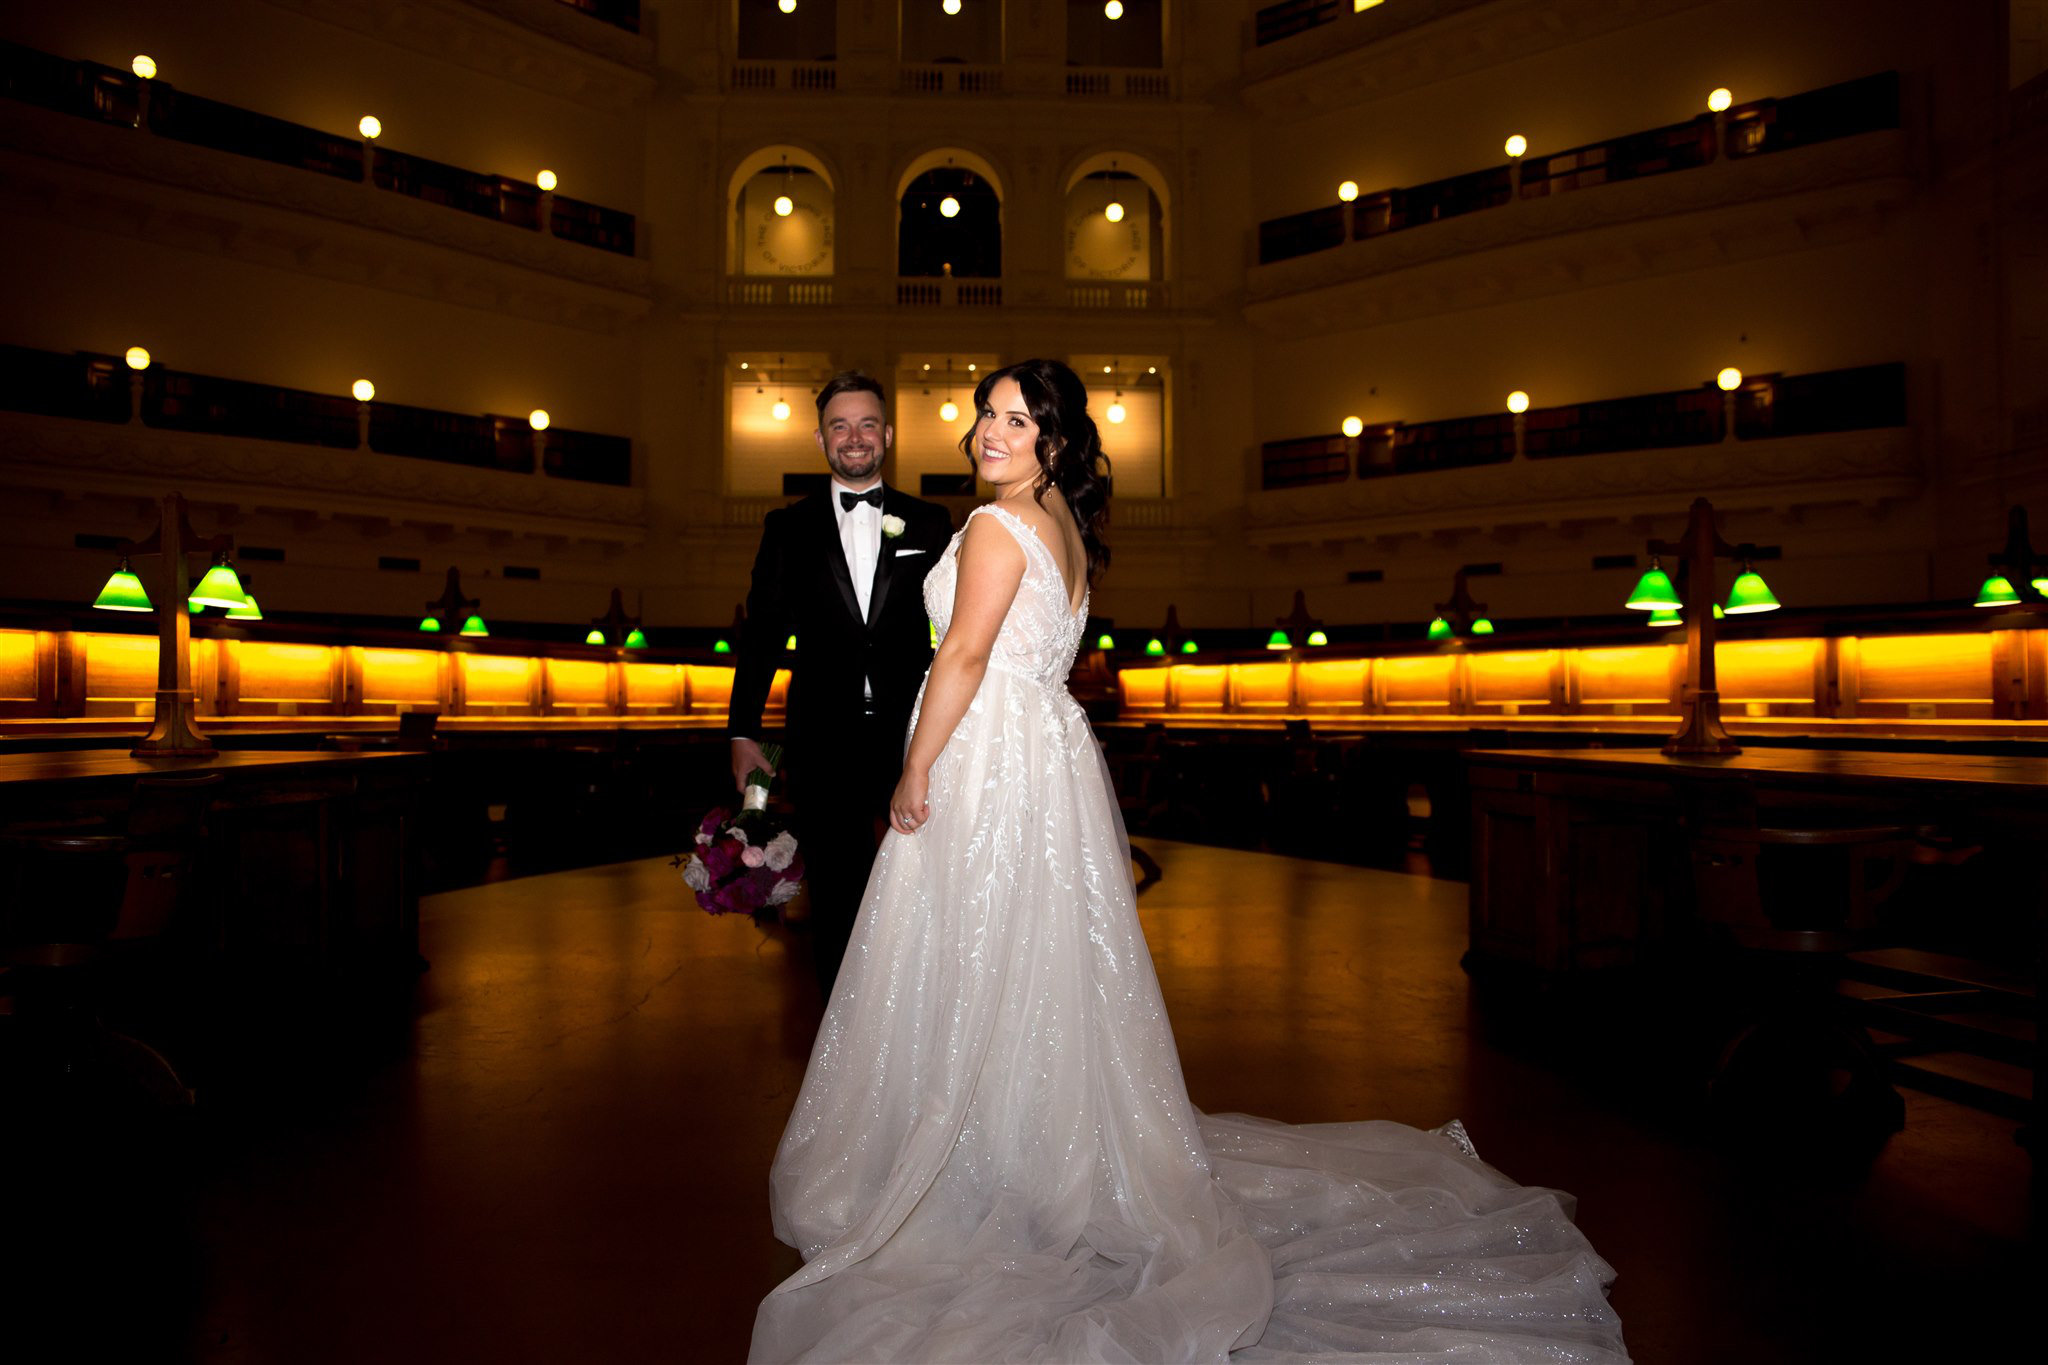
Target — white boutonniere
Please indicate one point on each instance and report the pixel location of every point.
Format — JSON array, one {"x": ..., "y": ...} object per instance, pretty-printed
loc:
[{"x": 892, "y": 527}]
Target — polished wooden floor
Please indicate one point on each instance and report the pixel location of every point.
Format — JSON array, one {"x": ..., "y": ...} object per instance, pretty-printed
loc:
[{"x": 565, "y": 1157}]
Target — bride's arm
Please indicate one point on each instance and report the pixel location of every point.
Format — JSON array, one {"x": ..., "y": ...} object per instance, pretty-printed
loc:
[{"x": 991, "y": 567}]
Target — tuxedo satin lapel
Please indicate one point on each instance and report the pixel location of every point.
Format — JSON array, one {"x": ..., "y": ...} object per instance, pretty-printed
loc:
[
  {"x": 885, "y": 561},
  {"x": 835, "y": 556}
]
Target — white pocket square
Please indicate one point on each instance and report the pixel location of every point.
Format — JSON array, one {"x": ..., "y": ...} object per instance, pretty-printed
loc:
[{"x": 901, "y": 553}]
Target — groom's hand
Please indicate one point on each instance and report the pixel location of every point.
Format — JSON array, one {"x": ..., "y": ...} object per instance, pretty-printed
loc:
[{"x": 747, "y": 756}]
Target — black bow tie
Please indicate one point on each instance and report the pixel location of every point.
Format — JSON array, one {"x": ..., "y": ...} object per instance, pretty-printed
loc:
[{"x": 849, "y": 501}]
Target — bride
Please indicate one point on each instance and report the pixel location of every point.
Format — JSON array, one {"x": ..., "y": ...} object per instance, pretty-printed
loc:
[{"x": 993, "y": 1156}]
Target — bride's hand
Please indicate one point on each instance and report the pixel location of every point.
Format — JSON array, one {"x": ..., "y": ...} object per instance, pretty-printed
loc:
[{"x": 910, "y": 807}]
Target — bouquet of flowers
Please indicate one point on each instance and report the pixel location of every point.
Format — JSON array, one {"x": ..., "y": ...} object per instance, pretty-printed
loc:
[{"x": 744, "y": 863}]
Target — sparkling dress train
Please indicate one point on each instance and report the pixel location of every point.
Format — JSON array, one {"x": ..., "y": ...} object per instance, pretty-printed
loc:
[{"x": 993, "y": 1156}]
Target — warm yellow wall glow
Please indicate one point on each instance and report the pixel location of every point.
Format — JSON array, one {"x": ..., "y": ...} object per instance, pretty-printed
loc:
[
  {"x": 654, "y": 685},
  {"x": 491, "y": 680},
  {"x": 1333, "y": 683},
  {"x": 1607, "y": 676},
  {"x": 710, "y": 688},
  {"x": 1421, "y": 681},
  {"x": 285, "y": 672},
  {"x": 778, "y": 690},
  {"x": 1901, "y": 668},
  {"x": 1766, "y": 670},
  {"x": 1261, "y": 686},
  {"x": 577, "y": 682},
  {"x": 17, "y": 665},
  {"x": 401, "y": 675},
  {"x": 1143, "y": 688},
  {"x": 1201, "y": 687},
  {"x": 120, "y": 667},
  {"x": 1521, "y": 677}
]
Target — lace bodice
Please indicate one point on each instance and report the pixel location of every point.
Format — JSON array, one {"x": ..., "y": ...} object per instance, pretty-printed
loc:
[{"x": 1042, "y": 634}]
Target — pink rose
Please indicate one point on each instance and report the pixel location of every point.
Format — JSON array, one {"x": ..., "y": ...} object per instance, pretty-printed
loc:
[{"x": 753, "y": 857}]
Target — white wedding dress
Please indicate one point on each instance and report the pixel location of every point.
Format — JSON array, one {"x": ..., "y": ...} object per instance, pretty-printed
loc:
[{"x": 993, "y": 1156}]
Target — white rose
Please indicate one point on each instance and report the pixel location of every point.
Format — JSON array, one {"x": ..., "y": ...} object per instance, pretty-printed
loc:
[
  {"x": 739, "y": 834},
  {"x": 780, "y": 850},
  {"x": 695, "y": 875},
  {"x": 892, "y": 527},
  {"x": 783, "y": 892},
  {"x": 702, "y": 838}
]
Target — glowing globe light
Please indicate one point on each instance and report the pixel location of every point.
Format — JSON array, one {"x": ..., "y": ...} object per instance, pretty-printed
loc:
[
  {"x": 475, "y": 628},
  {"x": 1518, "y": 402},
  {"x": 1115, "y": 212},
  {"x": 781, "y": 410},
  {"x": 1729, "y": 380},
  {"x": 1750, "y": 594},
  {"x": 786, "y": 6},
  {"x": 1655, "y": 591},
  {"x": 1720, "y": 99},
  {"x": 364, "y": 390},
  {"x": 784, "y": 206},
  {"x": 370, "y": 126},
  {"x": 949, "y": 207},
  {"x": 1517, "y": 145},
  {"x": 949, "y": 411},
  {"x": 431, "y": 625},
  {"x": 137, "y": 358},
  {"x": 1353, "y": 426},
  {"x": 123, "y": 592},
  {"x": 950, "y": 6},
  {"x": 1348, "y": 191},
  {"x": 547, "y": 181},
  {"x": 143, "y": 66},
  {"x": 538, "y": 419},
  {"x": 1114, "y": 10},
  {"x": 1116, "y": 412}
]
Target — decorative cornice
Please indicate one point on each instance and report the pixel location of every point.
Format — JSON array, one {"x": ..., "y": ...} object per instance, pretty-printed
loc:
[
  {"x": 539, "y": 44},
  {"x": 77, "y": 457},
  {"x": 1727, "y": 211},
  {"x": 1365, "y": 57},
  {"x": 597, "y": 290},
  {"x": 1858, "y": 466}
]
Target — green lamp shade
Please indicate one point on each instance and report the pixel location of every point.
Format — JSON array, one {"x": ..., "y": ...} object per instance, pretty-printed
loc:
[
  {"x": 1750, "y": 594},
  {"x": 1996, "y": 592},
  {"x": 1317, "y": 639},
  {"x": 721, "y": 648},
  {"x": 2041, "y": 586},
  {"x": 790, "y": 643},
  {"x": 220, "y": 588},
  {"x": 1187, "y": 647},
  {"x": 1105, "y": 641},
  {"x": 248, "y": 611},
  {"x": 636, "y": 638},
  {"x": 1655, "y": 592},
  {"x": 193, "y": 606},
  {"x": 1482, "y": 626},
  {"x": 1153, "y": 647},
  {"x": 475, "y": 627},
  {"x": 1439, "y": 629},
  {"x": 1278, "y": 640},
  {"x": 1663, "y": 620},
  {"x": 595, "y": 637},
  {"x": 431, "y": 624},
  {"x": 123, "y": 592}
]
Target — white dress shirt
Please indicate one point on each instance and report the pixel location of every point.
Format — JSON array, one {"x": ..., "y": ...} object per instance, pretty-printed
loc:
[{"x": 860, "y": 535}]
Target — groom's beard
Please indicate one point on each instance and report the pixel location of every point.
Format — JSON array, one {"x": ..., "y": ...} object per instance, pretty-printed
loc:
[{"x": 855, "y": 462}]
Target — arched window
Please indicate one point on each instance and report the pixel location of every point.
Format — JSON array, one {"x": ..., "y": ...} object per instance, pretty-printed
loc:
[
  {"x": 950, "y": 223},
  {"x": 781, "y": 229},
  {"x": 1116, "y": 233}
]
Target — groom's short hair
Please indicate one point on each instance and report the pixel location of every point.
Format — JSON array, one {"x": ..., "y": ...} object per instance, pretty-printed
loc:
[{"x": 850, "y": 381}]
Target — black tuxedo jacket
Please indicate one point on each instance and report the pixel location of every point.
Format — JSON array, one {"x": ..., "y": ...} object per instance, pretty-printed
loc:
[{"x": 802, "y": 587}]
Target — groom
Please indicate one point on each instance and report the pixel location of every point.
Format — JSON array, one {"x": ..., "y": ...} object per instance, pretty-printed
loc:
[{"x": 843, "y": 571}]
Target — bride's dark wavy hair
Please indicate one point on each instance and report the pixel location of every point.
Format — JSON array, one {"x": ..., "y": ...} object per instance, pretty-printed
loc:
[{"x": 1070, "y": 454}]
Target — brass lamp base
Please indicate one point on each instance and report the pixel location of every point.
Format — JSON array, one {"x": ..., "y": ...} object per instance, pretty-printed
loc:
[
  {"x": 173, "y": 734},
  {"x": 1701, "y": 731}
]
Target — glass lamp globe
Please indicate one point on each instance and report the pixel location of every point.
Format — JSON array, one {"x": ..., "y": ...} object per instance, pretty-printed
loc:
[
  {"x": 1353, "y": 426},
  {"x": 1720, "y": 99},
  {"x": 538, "y": 419},
  {"x": 547, "y": 181},
  {"x": 363, "y": 390},
  {"x": 1729, "y": 380},
  {"x": 1348, "y": 191},
  {"x": 1115, "y": 212},
  {"x": 370, "y": 126},
  {"x": 1517, "y": 145},
  {"x": 784, "y": 206},
  {"x": 144, "y": 66},
  {"x": 949, "y": 207},
  {"x": 1518, "y": 402}
]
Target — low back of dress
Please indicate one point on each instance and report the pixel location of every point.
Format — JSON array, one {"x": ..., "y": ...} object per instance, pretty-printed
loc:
[{"x": 1042, "y": 634}]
